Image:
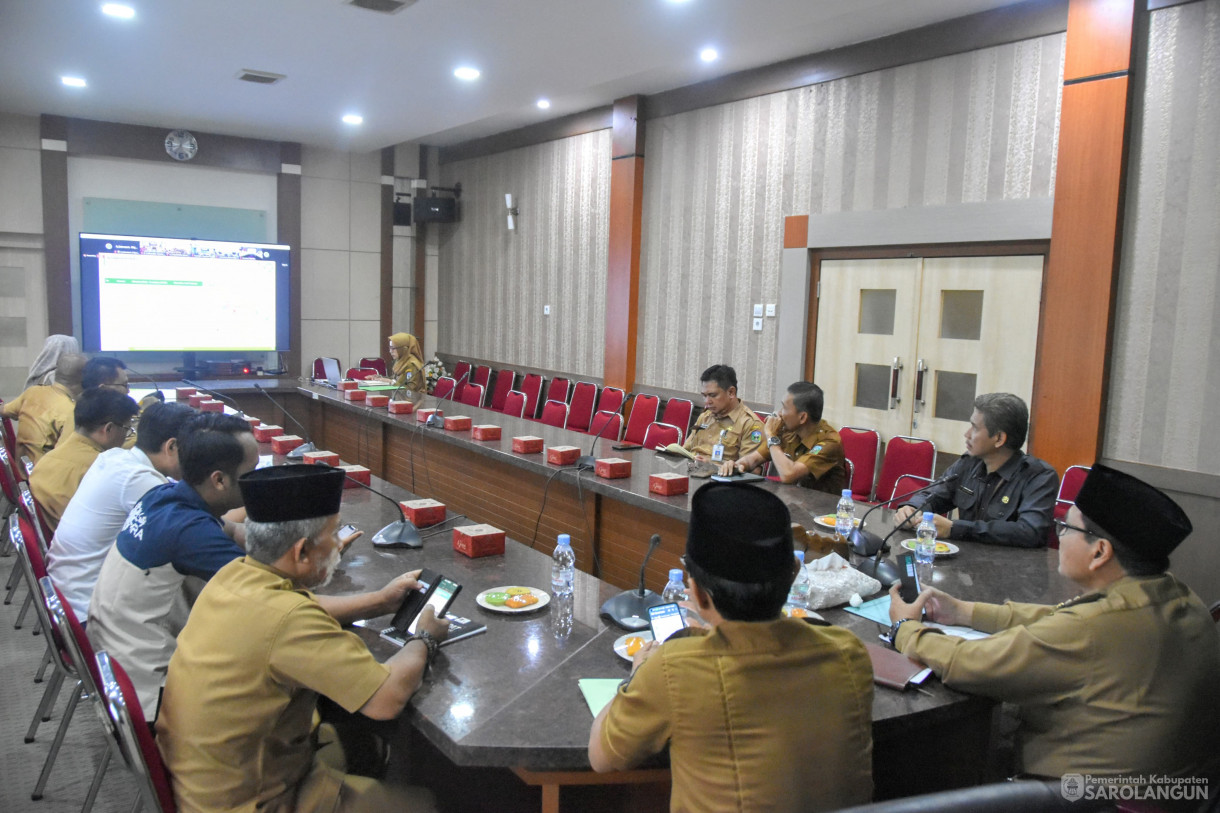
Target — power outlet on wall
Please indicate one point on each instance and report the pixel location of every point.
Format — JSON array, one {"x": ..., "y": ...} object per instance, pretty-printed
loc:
[
  {"x": 758, "y": 324},
  {"x": 546, "y": 310}
]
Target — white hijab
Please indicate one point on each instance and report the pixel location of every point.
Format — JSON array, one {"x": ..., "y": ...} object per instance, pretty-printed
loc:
[{"x": 42, "y": 371}]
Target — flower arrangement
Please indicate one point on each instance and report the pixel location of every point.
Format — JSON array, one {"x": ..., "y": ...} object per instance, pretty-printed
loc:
[{"x": 433, "y": 370}]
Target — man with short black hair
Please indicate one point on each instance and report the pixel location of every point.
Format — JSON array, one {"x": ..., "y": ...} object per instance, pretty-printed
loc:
[
  {"x": 108, "y": 372},
  {"x": 103, "y": 420},
  {"x": 110, "y": 489},
  {"x": 802, "y": 448},
  {"x": 1117, "y": 682},
  {"x": 1002, "y": 495},
  {"x": 44, "y": 413},
  {"x": 759, "y": 712},
  {"x": 726, "y": 429}
]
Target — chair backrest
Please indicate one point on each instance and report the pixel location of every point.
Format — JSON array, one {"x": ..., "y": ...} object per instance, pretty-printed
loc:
[
  {"x": 482, "y": 376},
  {"x": 554, "y": 413},
  {"x": 460, "y": 369},
  {"x": 359, "y": 373},
  {"x": 600, "y": 419},
  {"x": 504, "y": 385},
  {"x": 34, "y": 568},
  {"x": 8, "y": 477},
  {"x": 1073, "y": 479},
  {"x": 77, "y": 649},
  {"x": 514, "y": 404},
  {"x": 374, "y": 363},
  {"x": 905, "y": 455},
  {"x": 643, "y": 412},
  {"x": 677, "y": 413},
  {"x": 9, "y": 435},
  {"x": 558, "y": 389},
  {"x": 471, "y": 395},
  {"x": 611, "y": 400},
  {"x": 531, "y": 385},
  {"x": 762, "y": 416},
  {"x": 905, "y": 484},
  {"x": 860, "y": 446},
  {"x": 33, "y": 513},
  {"x": 580, "y": 410},
  {"x": 319, "y": 370},
  {"x": 134, "y": 740},
  {"x": 661, "y": 434},
  {"x": 444, "y": 386}
]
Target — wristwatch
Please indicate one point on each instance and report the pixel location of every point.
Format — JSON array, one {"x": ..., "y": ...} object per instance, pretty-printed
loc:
[
  {"x": 429, "y": 642},
  {"x": 891, "y": 636},
  {"x": 773, "y": 440}
]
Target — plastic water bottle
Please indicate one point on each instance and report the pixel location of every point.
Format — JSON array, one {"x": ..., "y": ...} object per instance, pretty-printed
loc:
[
  {"x": 925, "y": 544},
  {"x": 798, "y": 594},
  {"x": 675, "y": 588},
  {"x": 563, "y": 576},
  {"x": 845, "y": 515}
]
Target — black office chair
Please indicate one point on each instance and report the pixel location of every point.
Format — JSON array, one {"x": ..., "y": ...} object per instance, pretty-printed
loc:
[{"x": 1002, "y": 797}]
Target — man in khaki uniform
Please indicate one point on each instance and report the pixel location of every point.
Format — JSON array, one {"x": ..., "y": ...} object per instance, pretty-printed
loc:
[
  {"x": 236, "y": 722},
  {"x": 726, "y": 429},
  {"x": 44, "y": 413},
  {"x": 733, "y": 702},
  {"x": 1118, "y": 682},
  {"x": 802, "y": 448}
]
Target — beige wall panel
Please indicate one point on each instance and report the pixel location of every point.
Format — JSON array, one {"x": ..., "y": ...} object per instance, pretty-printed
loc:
[
  {"x": 325, "y": 214},
  {"x": 365, "y": 290}
]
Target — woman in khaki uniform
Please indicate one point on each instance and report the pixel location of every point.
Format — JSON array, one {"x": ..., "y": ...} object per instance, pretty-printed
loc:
[{"x": 408, "y": 369}]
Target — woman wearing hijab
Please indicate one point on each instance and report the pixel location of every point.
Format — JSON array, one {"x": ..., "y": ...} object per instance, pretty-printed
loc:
[
  {"x": 408, "y": 369},
  {"x": 42, "y": 371}
]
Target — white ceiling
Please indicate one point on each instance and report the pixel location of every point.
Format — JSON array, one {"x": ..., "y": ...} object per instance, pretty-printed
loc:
[{"x": 176, "y": 63}]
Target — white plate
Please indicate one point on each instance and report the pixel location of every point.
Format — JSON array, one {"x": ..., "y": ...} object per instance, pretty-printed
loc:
[
  {"x": 620, "y": 643},
  {"x": 828, "y": 521},
  {"x": 544, "y": 598},
  {"x": 954, "y": 550}
]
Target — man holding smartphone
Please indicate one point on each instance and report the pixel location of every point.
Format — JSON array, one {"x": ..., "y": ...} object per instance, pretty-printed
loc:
[
  {"x": 733, "y": 702},
  {"x": 236, "y": 723}
]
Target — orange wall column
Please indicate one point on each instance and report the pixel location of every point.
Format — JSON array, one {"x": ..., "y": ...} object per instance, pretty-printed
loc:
[
  {"x": 623, "y": 271},
  {"x": 1068, "y": 411}
]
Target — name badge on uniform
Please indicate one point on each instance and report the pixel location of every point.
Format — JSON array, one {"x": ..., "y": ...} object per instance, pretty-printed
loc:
[{"x": 718, "y": 449}]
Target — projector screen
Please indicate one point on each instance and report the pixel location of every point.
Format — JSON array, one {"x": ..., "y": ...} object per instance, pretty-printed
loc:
[{"x": 168, "y": 294}]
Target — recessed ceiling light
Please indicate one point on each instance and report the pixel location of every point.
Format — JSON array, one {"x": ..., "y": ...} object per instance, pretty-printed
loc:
[
  {"x": 119, "y": 10},
  {"x": 708, "y": 55},
  {"x": 352, "y": 118},
  {"x": 72, "y": 81},
  {"x": 467, "y": 73},
  {"x": 543, "y": 104}
]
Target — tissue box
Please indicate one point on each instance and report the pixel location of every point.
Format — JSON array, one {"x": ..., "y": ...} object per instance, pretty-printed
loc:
[
  {"x": 264, "y": 433},
  {"x": 349, "y": 385},
  {"x": 375, "y": 400},
  {"x": 358, "y": 473},
  {"x": 458, "y": 423},
  {"x": 326, "y": 458},
  {"x": 562, "y": 455},
  {"x": 183, "y": 393},
  {"x": 423, "y": 415},
  {"x": 283, "y": 444},
  {"x": 212, "y": 406},
  {"x": 250, "y": 419},
  {"x": 478, "y": 540},
  {"x": 612, "y": 468},
  {"x": 667, "y": 484},
  {"x": 197, "y": 399},
  {"x": 400, "y": 407},
  {"x": 486, "y": 431},
  {"x": 527, "y": 444},
  {"x": 424, "y": 512},
  {"x": 354, "y": 395}
]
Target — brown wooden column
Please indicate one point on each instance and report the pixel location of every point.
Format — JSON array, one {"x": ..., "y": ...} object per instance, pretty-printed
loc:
[
  {"x": 57, "y": 243},
  {"x": 1078, "y": 301},
  {"x": 387, "y": 249},
  {"x": 623, "y": 271},
  {"x": 421, "y": 258},
  {"x": 288, "y": 232}
]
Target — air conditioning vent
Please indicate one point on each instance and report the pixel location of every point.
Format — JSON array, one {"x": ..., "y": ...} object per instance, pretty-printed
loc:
[
  {"x": 382, "y": 6},
  {"x": 259, "y": 77}
]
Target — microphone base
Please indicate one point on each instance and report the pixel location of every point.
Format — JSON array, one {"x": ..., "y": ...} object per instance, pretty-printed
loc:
[
  {"x": 629, "y": 609},
  {"x": 864, "y": 543},
  {"x": 883, "y": 571},
  {"x": 398, "y": 534},
  {"x": 299, "y": 452},
  {"x": 436, "y": 420},
  {"x": 586, "y": 461}
]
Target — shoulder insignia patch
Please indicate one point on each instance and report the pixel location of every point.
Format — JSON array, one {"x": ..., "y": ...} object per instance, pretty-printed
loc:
[
  {"x": 410, "y": 375},
  {"x": 756, "y": 436},
  {"x": 817, "y": 449}
]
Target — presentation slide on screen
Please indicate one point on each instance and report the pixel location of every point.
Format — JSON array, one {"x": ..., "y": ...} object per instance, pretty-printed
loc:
[{"x": 155, "y": 302}]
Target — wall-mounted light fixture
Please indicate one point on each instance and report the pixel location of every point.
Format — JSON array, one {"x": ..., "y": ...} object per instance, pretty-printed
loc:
[{"x": 512, "y": 211}]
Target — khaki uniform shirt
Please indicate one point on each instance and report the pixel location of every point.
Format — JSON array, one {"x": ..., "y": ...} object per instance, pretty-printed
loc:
[
  {"x": 237, "y": 712},
  {"x": 743, "y": 728},
  {"x": 743, "y": 433},
  {"x": 412, "y": 378},
  {"x": 1122, "y": 681},
  {"x": 43, "y": 415},
  {"x": 56, "y": 476},
  {"x": 819, "y": 449}
]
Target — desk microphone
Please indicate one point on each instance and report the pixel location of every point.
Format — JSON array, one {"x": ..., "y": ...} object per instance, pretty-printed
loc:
[
  {"x": 218, "y": 396},
  {"x": 308, "y": 445},
  {"x": 629, "y": 609},
  {"x": 160, "y": 395},
  {"x": 399, "y": 533},
  {"x": 437, "y": 419},
  {"x": 862, "y": 540},
  {"x": 589, "y": 460}
]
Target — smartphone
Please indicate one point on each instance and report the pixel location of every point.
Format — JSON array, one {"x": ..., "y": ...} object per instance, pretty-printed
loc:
[
  {"x": 443, "y": 594},
  {"x": 665, "y": 619},
  {"x": 626, "y": 447},
  {"x": 347, "y": 530},
  {"x": 415, "y": 600},
  {"x": 908, "y": 578}
]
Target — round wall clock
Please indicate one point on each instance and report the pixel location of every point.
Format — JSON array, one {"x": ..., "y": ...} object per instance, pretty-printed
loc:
[{"x": 181, "y": 145}]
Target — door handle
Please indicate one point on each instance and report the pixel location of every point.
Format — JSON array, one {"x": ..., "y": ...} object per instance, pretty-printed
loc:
[
  {"x": 895, "y": 370},
  {"x": 920, "y": 369}
]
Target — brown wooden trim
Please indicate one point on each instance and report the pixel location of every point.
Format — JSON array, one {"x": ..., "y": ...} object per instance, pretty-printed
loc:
[
  {"x": 626, "y": 227},
  {"x": 586, "y": 121},
  {"x": 1099, "y": 38},
  {"x": 387, "y": 247},
  {"x": 288, "y": 232},
  {"x": 811, "y": 319},
  {"x": 796, "y": 231},
  {"x": 421, "y": 261},
  {"x": 56, "y": 240},
  {"x": 113, "y": 140}
]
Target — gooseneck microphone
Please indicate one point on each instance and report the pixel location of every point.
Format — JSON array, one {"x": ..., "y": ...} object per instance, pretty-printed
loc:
[
  {"x": 437, "y": 419},
  {"x": 401, "y": 532},
  {"x": 629, "y": 609},
  {"x": 589, "y": 461},
  {"x": 308, "y": 445},
  {"x": 218, "y": 396},
  {"x": 861, "y": 540},
  {"x": 156, "y": 387}
]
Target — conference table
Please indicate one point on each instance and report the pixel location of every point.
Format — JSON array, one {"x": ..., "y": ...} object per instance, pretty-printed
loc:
[{"x": 508, "y": 698}]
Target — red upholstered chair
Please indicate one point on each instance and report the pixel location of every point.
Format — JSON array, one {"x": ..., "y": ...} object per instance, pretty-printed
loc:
[
  {"x": 359, "y": 373},
  {"x": 504, "y": 385},
  {"x": 374, "y": 363},
  {"x": 8, "y": 433},
  {"x": 643, "y": 412},
  {"x": 860, "y": 446},
  {"x": 482, "y": 377},
  {"x": 762, "y": 416},
  {"x": 12, "y": 474},
  {"x": 905, "y": 484},
  {"x": 444, "y": 386},
  {"x": 514, "y": 404},
  {"x": 460, "y": 369},
  {"x": 554, "y": 413},
  {"x": 133, "y": 741},
  {"x": 559, "y": 390},
  {"x": 677, "y": 413},
  {"x": 1069, "y": 487},
  {"x": 600, "y": 419},
  {"x": 531, "y": 385},
  {"x": 319, "y": 370},
  {"x": 580, "y": 411},
  {"x": 471, "y": 395},
  {"x": 661, "y": 434},
  {"x": 611, "y": 400},
  {"x": 905, "y": 455}
]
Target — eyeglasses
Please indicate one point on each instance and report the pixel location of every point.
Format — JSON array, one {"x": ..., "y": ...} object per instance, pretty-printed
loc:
[{"x": 1062, "y": 527}]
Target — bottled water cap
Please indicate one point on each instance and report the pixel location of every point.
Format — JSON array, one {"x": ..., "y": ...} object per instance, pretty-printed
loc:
[
  {"x": 565, "y": 539},
  {"x": 675, "y": 575},
  {"x": 847, "y": 492},
  {"x": 800, "y": 555},
  {"x": 927, "y": 516}
]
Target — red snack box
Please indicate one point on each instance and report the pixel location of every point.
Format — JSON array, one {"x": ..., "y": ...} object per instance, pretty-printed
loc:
[
  {"x": 527, "y": 444},
  {"x": 422, "y": 415},
  {"x": 400, "y": 407},
  {"x": 197, "y": 399},
  {"x": 358, "y": 473},
  {"x": 562, "y": 455},
  {"x": 250, "y": 419},
  {"x": 457, "y": 423},
  {"x": 183, "y": 393},
  {"x": 212, "y": 406},
  {"x": 612, "y": 468},
  {"x": 424, "y": 512},
  {"x": 486, "y": 431},
  {"x": 478, "y": 540},
  {"x": 349, "y": 385},
  {"x": 283, "y": 444},
  {"x": 264, "y": 433},
  {"x": 668, "y": 483},
  {"x": 375, "y": 400},
  {"x": 354, "y": 395},
  {"x": 325, "y": 458}
]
